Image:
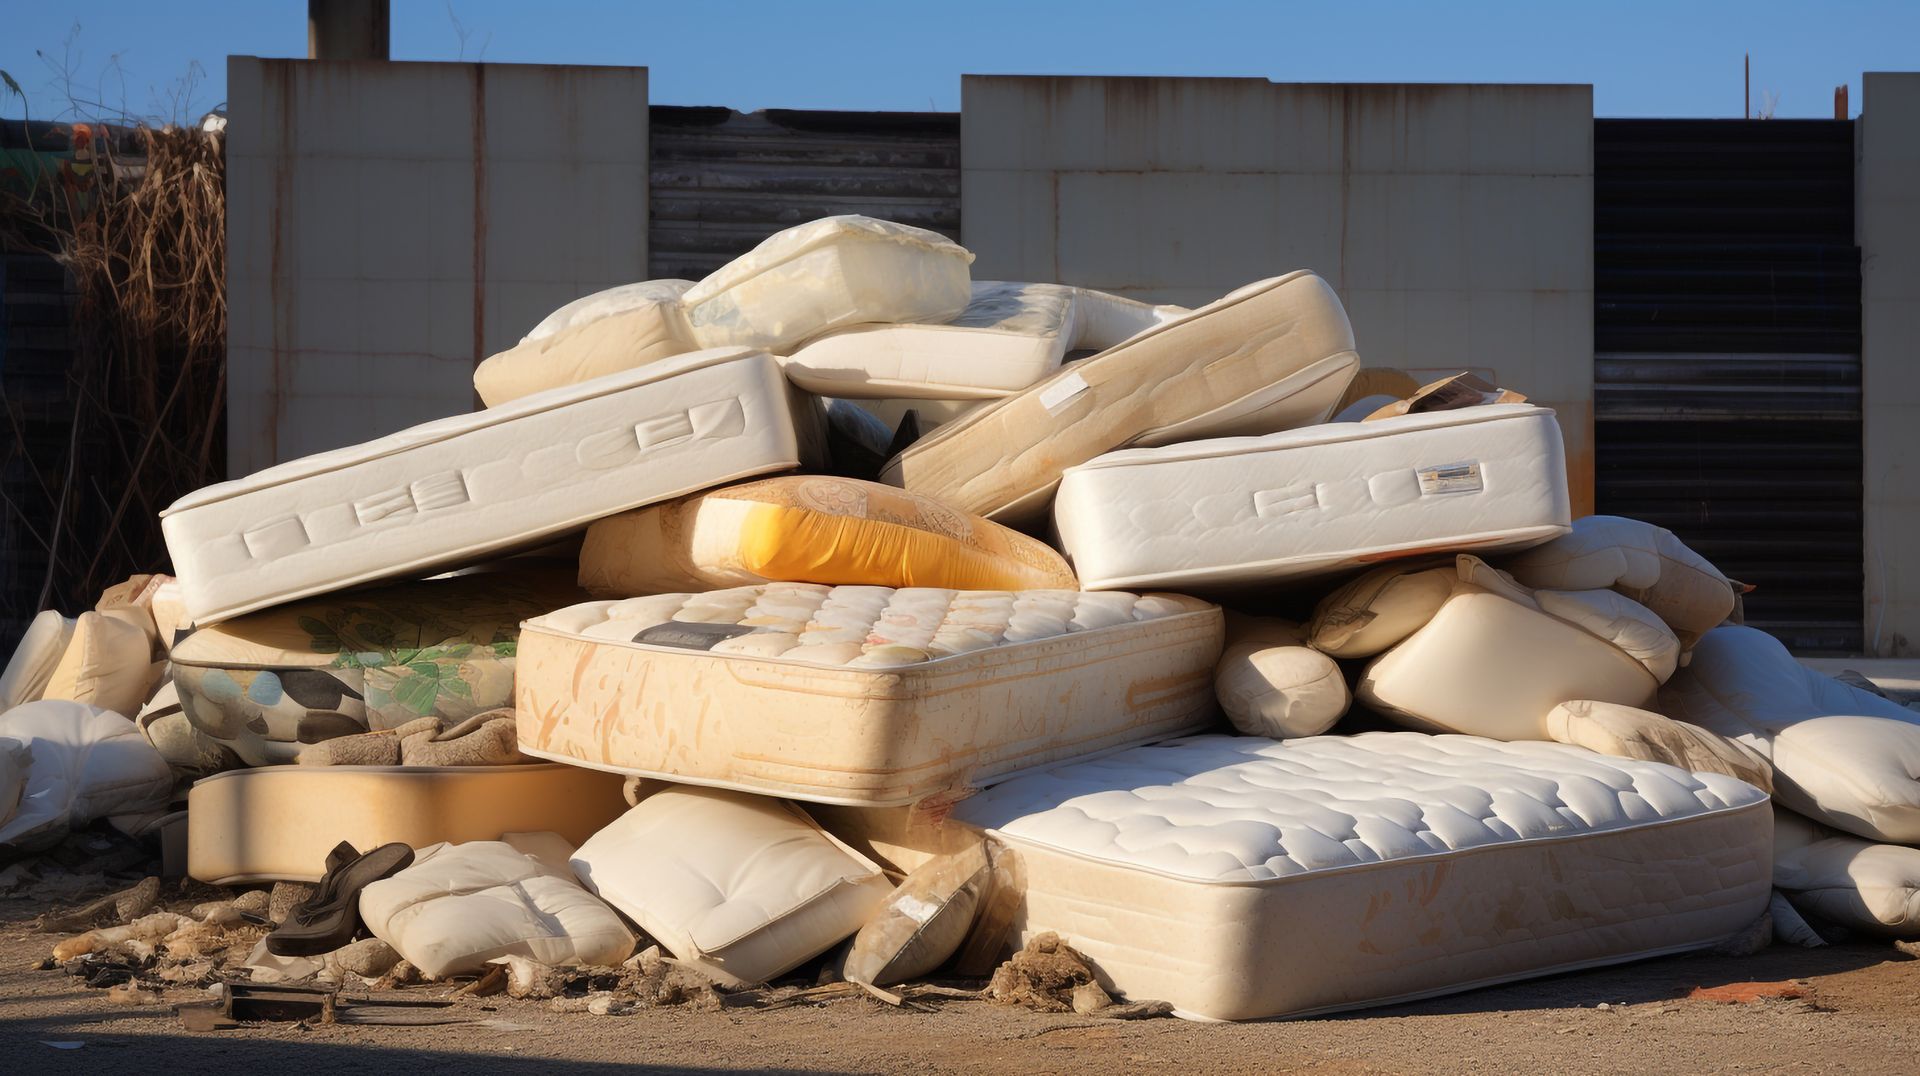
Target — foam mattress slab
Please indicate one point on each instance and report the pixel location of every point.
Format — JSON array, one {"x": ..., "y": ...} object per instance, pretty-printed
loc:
[
  {"x": 460, "y": 489},
  {"x": 860, "y": 695},
  {"x": 1314, "y": 501},
  {"x": 1009, "y": 336},
  {"x": 1241, "y": 878},
  {"x": 1273, "y": 355},
  {"x": 277, "y": 823}
]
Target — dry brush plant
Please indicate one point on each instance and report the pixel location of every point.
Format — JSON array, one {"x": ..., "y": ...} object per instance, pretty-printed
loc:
[{"x": 144, "y": 243}]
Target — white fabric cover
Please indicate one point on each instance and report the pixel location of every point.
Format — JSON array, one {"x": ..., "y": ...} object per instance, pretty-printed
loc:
[
  {"x": 458, "y": 490},
  {"x": 1840, "y": 755},
  {"x": 1314, "y": 501},
  {"x": 34, "y": 660},
  {"x": 1371, "y": 612},
  {"x": 1843, "y": 879},
  {"x": 1630, "y": 732},
  {"x": 1009, "y": 336},
  {"x": 1496, "y": 658},
  {"x": 828, "y": 274},
  {"x": 1644, "y": 562},
  {"x": 745, "y": 887},
  {"x": 1240, "y": 878},
  {"x": 72, "y": 763},
  {"x": 629, "y": 326},
  {"x": 1271, "y": 684},
  {"x": 622, "y": 299},
  {"x": 460, "y": 905}
]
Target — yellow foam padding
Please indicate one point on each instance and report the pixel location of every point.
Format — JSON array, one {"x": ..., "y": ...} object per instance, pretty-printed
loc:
[{"x": 811, "y": 529}]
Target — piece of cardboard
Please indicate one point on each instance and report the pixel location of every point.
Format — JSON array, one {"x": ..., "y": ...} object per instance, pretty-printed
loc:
[{"x": 1448, "y": 394}]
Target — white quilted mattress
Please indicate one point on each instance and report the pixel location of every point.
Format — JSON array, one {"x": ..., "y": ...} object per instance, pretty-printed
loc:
[
  {"x": 1240, "y": 877},
  {"x": 1318, "y": 500},
  {"x": 856, "y": 694},
  {"x": 459, "y": 489}
]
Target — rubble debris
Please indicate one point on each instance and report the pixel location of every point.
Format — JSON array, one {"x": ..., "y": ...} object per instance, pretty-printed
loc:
[
  {"x": 1748, "y": 940},
  {"x": 121, "y": 907},
  {"x": 369, "y": 958},
  {"x": 1041, "y": 976},
  {"x": 285, "y": 897},
  {"x": 1747, "y": 993}
]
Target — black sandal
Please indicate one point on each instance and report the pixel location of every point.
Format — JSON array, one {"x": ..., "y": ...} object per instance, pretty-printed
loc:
[{"x": 331, "y": 917}]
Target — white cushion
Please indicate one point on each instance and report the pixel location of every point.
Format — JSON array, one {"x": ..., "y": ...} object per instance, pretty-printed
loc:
[
  {"x": 1844, "y": 879},
  {"x": 35, "y": 658},
  {"x": 1496, "y": 658},
  {"x": 1009, "y": 336},
  {"x": 1271, "y": 684},
  {"x": 1840, "y": 755},
  {"x": 1630, "y": 732},
  {"x": 623, "y": 299},
  {"x": 1642, "y": 561},
  {"x": 461, "y": 905},
  {"x": 601, "y": 334},
  {"x": 746, "y": 887},
  {"x": 108, "y": 663},
  {"x": 828, "y": 274},
  {"x": 82, "y": 763}
]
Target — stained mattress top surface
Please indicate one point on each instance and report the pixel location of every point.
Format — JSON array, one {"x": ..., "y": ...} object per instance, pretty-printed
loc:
[
  {"x": 1237, "y": 809},
  {"x": 857, "y": 627}
]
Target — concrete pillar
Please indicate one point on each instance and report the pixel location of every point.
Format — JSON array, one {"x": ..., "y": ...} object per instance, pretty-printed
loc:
[
  {"x": 1887, "y": 227},
  {"x": 1456, "y": 222},
  {"x": 347, "y": 30}
]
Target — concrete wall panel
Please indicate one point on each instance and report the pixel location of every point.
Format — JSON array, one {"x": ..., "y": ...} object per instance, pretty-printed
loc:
[
  {"x": 389, "y": 225},
  {"x": 1887, "y": 226},
  {"x": 1455, "y": 221}
]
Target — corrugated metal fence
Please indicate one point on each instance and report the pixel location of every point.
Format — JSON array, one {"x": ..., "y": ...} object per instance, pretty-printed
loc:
[
  {"x": 1727, "y": 355},
  {"x": 723, "y": 180}
]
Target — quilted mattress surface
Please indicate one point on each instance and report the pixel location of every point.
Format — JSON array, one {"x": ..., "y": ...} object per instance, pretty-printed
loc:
[
  {"x": 1240, "y": 877},
  {"x": 461, "y": 488},
  {"x": 1317, "y": 500},
  {"x": 857, "y": 694}
]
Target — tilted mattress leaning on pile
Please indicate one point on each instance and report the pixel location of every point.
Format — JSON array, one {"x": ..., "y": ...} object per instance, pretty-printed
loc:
[{"x": 994, "y": 657}]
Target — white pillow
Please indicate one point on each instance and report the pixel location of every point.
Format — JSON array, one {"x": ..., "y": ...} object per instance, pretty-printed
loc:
[
  {"x": 828, "y": 274},
  {"x": 460, "y": 905},
  {"x": 744, "y": 887},
  {"x": 34, "y": 659},
  {"x": 108, "y": 663},
  {"x": 80, "y": 763},
  {"x": 592, "y": 337},
  {"x": 1845, "y": 879},
  {"x": 1271, "y": 684}
]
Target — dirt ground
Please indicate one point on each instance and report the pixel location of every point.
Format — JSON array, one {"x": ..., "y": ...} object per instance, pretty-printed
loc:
[{"x": 1860, "y": 1012}]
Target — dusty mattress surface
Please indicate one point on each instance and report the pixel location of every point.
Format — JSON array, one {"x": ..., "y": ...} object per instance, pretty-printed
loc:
[
  {"x": 1240, "y": 877},
  {"x": 1317, "y": 500},
  {"x": 458, "y": 489},
  {"x": 860, "y": 694}
]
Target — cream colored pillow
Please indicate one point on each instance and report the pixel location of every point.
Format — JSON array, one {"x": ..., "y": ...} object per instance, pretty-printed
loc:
[
  {"x": 1630, "y": 732},
  {"x": 1378, "y": 609},
  {"x": 651, "y": 327},
  {"x": 744, "y": 887},
  {"x": 108, "y": 663},
  {"x": 1639, "y": 560},
  {"x": 1271, "y": 684},
  {"x": 1845, "y": 879},
  {"x": 35, "y": 659}
]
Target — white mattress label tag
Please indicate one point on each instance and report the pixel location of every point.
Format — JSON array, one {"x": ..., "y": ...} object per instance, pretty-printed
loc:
[
  {"x": 1062, "y": 392},
  {"x": 1451, "y": 478}
]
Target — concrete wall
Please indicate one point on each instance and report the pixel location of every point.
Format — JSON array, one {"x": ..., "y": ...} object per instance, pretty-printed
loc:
[
  {"x": 389, "y": 225},
  {"x": 1887, "y": 226},
  {"x": 1456, "y": 222}
]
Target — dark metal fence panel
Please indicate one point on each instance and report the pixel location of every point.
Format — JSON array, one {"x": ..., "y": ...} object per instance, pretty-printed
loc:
[
  {"x": 724, "y": 180},
  {"x": 1727, "y": 355}
]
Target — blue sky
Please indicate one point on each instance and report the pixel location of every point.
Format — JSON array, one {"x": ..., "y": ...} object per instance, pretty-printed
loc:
[{"x": 1672, "y": 58}]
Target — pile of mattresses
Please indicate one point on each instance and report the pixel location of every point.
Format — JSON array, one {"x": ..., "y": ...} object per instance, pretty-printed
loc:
[{"x": 842, "y": 607}]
